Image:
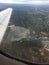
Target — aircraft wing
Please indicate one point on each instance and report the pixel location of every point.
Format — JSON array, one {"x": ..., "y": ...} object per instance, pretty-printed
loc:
[{"x": 4, "y": 20}]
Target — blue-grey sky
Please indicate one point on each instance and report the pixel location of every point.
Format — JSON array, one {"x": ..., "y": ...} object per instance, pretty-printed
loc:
[{"x": 25, "y": 1}]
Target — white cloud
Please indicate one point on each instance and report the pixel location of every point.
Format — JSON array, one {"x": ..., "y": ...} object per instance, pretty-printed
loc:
[
  {"x": 5, "y": 1},
  {"x": 26, "y": 1}
]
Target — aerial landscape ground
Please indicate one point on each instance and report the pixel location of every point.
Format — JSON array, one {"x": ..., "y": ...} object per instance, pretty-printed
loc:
[{"x": 27, "y": 35}]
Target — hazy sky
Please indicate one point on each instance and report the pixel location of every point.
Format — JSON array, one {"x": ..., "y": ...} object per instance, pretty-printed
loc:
[{"x": 26, "y": 1}]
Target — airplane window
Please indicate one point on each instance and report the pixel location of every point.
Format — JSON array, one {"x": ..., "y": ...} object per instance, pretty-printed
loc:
[{"x": 24, "y": 32}]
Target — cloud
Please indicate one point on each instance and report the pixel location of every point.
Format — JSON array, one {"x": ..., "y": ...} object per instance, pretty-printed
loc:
[
  {"x": 25, "y": 1},
  {"x": 6, "y": 1},
  {"x": 29, "y": 0}
]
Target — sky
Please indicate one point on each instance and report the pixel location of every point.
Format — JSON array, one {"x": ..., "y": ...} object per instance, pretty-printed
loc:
[{"x": 25, "y": 1}]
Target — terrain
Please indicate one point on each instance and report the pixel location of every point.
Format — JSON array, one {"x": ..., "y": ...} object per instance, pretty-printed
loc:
[{"x": 36, "y": 20}]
